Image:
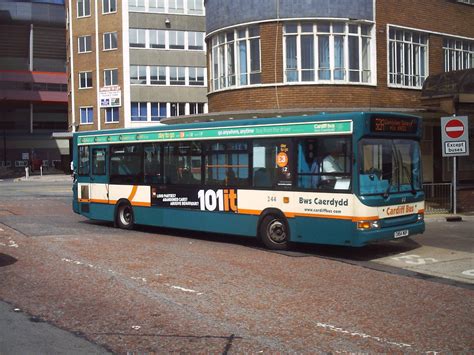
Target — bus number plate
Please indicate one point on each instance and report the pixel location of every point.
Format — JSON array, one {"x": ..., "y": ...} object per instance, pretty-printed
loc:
[{"x": 400, "y": 234}]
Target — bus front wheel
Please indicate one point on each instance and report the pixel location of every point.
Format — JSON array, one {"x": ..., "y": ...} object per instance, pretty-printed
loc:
[
  {"x": 274, "y": 233},
  {"x": 124, "y": 216}
]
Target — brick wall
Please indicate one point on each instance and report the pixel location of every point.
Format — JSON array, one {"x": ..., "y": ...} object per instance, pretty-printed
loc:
[
  {"x": 87, "y": 61},
  {"x": 429, "y": 15}
]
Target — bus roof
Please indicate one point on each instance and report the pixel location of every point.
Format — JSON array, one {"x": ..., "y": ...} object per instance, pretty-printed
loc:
[{"x": 323, "y": 117}]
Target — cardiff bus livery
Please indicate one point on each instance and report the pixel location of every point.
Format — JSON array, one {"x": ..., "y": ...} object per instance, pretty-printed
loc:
[{"x": 342, "y": 179}]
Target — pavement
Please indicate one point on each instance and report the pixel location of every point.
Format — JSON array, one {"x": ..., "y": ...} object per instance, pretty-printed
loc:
[
  {"x": 143, "y": 291},
  {"x": 25, "y": 334}
]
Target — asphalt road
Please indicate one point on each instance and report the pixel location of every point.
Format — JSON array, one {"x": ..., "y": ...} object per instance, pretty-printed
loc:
[{"x": 165, "y": 290}]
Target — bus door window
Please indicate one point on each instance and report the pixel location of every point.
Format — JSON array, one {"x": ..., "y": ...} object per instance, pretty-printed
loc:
[
  {"x": 227, "y": 164},
  {"x": 272, "y": 163},
  {"x": 308, "y": 164},
  {"x": 182, "y": 163},
  {"x": 335, "y": 163},
  {"x": 84, "y": 161},
  {"x": 98, "y": 161},
  {"x": 152, "y": 163}
]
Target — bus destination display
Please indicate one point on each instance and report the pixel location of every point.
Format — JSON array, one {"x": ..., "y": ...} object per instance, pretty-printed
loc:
[{"x": 393, "y": 125}]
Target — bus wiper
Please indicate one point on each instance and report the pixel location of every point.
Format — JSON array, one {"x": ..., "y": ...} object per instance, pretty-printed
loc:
[
  {"x": 410, "y": 179},
  {"x": 387, "y": 191}
]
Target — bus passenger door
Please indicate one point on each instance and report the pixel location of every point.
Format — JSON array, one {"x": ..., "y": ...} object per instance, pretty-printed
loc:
[{"x": 99, "y": 178}]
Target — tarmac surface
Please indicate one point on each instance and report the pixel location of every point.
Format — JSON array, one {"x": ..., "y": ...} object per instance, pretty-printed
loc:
[{"x": 157, "y": 290}]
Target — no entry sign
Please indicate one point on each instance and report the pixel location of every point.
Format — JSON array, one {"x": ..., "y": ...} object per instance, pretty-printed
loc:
[
  {"x": 454, "y": 128},
  {"x": 455, "y": 136}
]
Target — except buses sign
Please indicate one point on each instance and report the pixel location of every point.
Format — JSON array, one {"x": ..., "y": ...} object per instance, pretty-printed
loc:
[{"x": 455, "y": 136}]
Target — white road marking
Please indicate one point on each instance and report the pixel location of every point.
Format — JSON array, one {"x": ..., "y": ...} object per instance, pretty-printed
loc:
[
  {"x": 468, "y": 273},
  {"x": 136, "y": 278},
  {"x": 361, "y": 335},
  {"x": 11, "y": 243},
  {"x": 414, "y": 259},
  {"x": 186, "y": 289}
]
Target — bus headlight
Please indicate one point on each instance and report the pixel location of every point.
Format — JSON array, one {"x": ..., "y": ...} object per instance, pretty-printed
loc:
[
  {"x": 421, "y": 217},
  {"x": 367, "y": 225}
]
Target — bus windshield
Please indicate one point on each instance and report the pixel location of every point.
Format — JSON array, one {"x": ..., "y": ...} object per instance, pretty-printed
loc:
[{"x": 389, "y": 166}]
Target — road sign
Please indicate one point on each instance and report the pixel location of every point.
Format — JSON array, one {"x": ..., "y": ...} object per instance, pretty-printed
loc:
[
  {"x": 454, "y": 129},
  {"x": 455, "y": 136}
]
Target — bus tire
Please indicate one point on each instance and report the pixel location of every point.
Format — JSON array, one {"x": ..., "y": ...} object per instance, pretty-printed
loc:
[
  {"x": 274, "y": 232},
  {"x": 124, "y": 216}
]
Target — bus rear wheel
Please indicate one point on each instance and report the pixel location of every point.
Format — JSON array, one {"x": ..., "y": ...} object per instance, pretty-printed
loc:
[
  {"x": 274, "y": 233},
  {"x": 124, "y": 218}
]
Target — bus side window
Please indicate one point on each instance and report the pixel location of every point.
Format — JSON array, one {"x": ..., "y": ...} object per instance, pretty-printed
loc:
[
  {"x": 83, "y": 168},
  {"x": 152, "y": 164},
  {"x": 182, "y": 163},
  {"x": 227, "y": 164}
]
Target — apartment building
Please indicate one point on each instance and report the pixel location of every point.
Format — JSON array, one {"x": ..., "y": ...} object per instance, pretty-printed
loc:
[{"x": 134, "y": 62}]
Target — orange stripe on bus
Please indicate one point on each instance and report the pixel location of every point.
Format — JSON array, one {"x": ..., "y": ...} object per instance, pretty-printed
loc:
[
  {"x": 292, "y": 215},
  {"x": 133, "y": 193}
]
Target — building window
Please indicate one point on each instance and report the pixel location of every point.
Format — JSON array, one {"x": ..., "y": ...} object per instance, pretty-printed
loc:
[
  {"x": 327, "y": 52},
  {"x": 87, "y": 115},
  {"x": 408, "y": 58},
  {"x": 235, "y": 58},
  {"x": 109, "y": 6},
  {"x": 196, "y": 76},
  {"x": 137, "y": 38},
  {"x": 85, "y": 80},
  {"x": 136, "y": 5},
  {"x": 112, "y": 114},
  {"x": 83, "y": 8},
  {"x": 110, "y": 41},
  {"x": 195, "y": 7},
  {"x": 110, "y": 77},
  {"x": 157, "y": 75},
  {"x": 138, "y": 74},
  {"x": 156, "y": 6},
  {"x": 157, "y": 38},
  {"x": 158, "y": 111},
  {"x": 177, "y": 76},
  {"x": 176, "y": 39},
  {"x": 458, "y": 54},
  {"x": 196, "y": 40},
  {"x": 84, "y": 44},
  {"x": 139, "y": 111},
  {"x": 196, "y": 108},
  {"x": 177, "y": 109},
  {"x": 176, "y": 6}
]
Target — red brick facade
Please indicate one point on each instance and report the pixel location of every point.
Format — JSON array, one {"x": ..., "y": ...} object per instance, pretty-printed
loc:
[{"x": 434, "y": 17}]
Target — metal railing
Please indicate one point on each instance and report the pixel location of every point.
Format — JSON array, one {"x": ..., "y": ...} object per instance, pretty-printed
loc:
[{"x": 438, "y": 198}]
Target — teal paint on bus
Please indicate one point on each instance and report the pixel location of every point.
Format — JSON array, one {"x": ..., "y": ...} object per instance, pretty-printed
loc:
[{"x": 303, "y": 229}]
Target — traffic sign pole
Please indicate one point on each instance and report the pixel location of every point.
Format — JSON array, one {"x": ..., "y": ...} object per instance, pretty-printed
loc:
[
  {"x": 455, "y": 143},
  {"x": 454, "y": 185}
]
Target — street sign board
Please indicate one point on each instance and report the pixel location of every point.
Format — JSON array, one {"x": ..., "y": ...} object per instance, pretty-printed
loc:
[{"x": 455, "y": 136}]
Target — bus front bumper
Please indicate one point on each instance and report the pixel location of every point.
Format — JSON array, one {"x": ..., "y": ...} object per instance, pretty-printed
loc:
[{"x": 364, "y": 237}]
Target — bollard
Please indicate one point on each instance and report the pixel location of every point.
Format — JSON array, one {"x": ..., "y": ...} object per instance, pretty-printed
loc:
[
  {"x": 27, "y": 172},
  {"x": 41, "y": 170}
]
